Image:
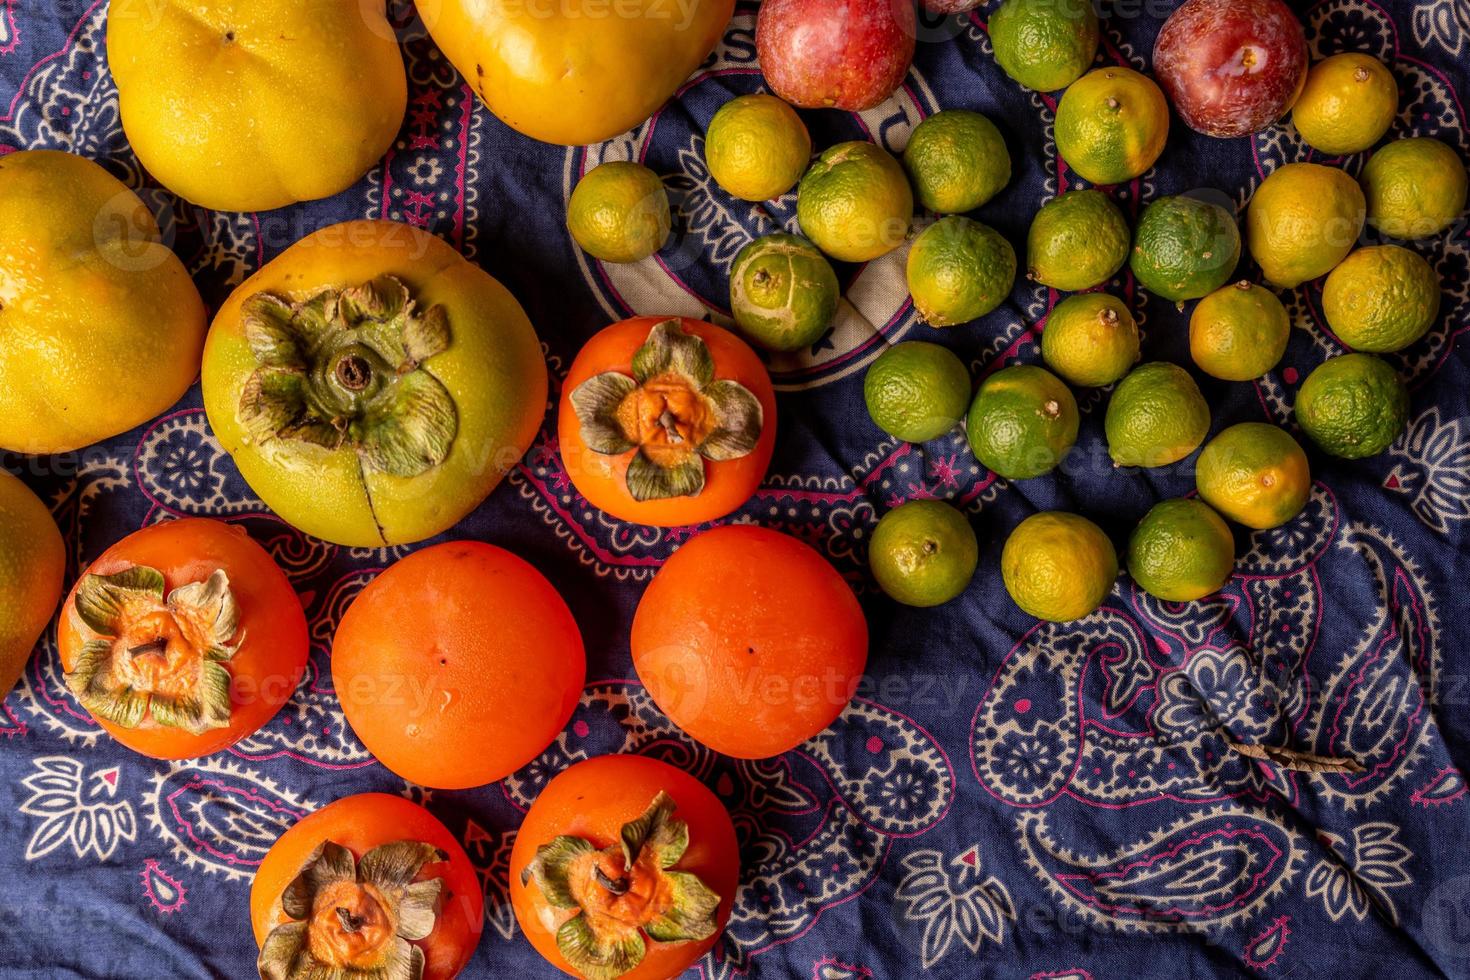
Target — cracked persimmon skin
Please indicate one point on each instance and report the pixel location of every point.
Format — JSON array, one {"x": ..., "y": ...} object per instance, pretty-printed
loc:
[
  {"x": 271, "y": 637},
  {"x": 492, "y": 370},
  {"x": 361, "y": 823},
  {"x": 593, "y": 800}
]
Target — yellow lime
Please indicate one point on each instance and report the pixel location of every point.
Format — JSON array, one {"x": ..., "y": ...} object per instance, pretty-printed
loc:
[
  {"x": 1023, "y": 422},
  {"x": 1415, "y": 188},
  {"x": 1077, "y": 240},
  {"x": 1256, "y": 474},
  {"x": 1353, "y": 406},
  {"x": 855, "y": 202},
  {"x": 916, "y": 391},
  {"x": 783, "y": 292},
  {"x": 923, "y": 553},
  {"x": 1181, "y": 551},
  {"x": 757, "y": 147},
  {"x": 1381, "y": 298},
  {"x": 957, "y": 160},
  {"x": 1302, "y": 221},
  {"x": 1058, "y": 566},
  {"x": 1238, "y": 332},
  {"x": 1156, "y": 416},
  {"x": 959, "y": 270},
  {"x": 1347, "y": 104},
  {"x": 1112, "y": 124},
  {"x": 619, "y": 212},
  {"x": 1090, "y": 339},
  {"x": 1044, "y": 44}
]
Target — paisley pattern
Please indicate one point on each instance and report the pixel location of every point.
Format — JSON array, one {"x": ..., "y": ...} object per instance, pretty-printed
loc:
[{"x": 1105, "y": 817}]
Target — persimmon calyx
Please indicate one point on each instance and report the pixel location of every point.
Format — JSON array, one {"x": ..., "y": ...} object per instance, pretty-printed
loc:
[
  {"x": 672, "y": 411},
  {"x": 355, "y": 919},
  {"x": 345, "y": 368},
  {"x": 154, "y": 657},
  {"x": 621, "y": 894}
]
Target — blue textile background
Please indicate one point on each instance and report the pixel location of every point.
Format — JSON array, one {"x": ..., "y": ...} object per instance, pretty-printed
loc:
[{"x": 1005, "y": 799}]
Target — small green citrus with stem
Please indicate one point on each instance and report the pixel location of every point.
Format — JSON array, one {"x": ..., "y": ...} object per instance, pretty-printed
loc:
[
  {"x": 783, "y": 292},
  {"x": 1090, "y": 339},
  {"x": 757, "y": 147},
  {"x": 1255, "y": 474},
  {"x": 619, "y": 212},
  {"x": 1156, "y": 416},
  {"x": 1044, "y": 44},
  {"x": 1415, "y": 188},
  {"x": 1238, "y": 332},
  {"x": 1077, "y": 240},
  {"x": 959, "y": 270},
  {"x": 917, "y": 391},
  {"x": 855, "y": 202},
  {"x": 1058, "y": 566},
  {"x": 1181, "y": 551},
  {"x": 957, "y": 161},
  {"x": 923, "y": 553},
  {"x": 1184, "y": 248},
  {"x": 1112, "y": 124},
  {"x": 1353, "y": 406},
  {"x": 1023, "y": 422}
]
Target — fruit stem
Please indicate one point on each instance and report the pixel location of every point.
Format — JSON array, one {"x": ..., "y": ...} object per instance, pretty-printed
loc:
[
  {"x": 354, "y": 372},
  {"x": 351, "y": 923}
]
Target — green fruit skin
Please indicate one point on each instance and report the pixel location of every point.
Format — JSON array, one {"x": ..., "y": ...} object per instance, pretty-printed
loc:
[
  {"x": 1184, "y": 248},
  {"x": 917, "y": 391},
  {"x": 783, "y": 292},
  {"x": 835, "y": 203},
  {"x": 957, "y": 161},
  {"x": 624, "y": 194},
  {"x": 1255, "y": 328},
  {"x": 1077, "y": 240},
  {"x": 1181, "y": 551},
  {"x": 1044, "y": 45},
  {"x": 1415, "y": 188},
  {"x": 1090, "y": 339},
  {"x": 1156, "y": 416},
  {"x": 1353, "y": 406},
  {"x": 1048, "y": 555},
  {"x": 959, "y": 253},
  {"x": 1381, "y": 299},
  {"x": 923, "y": 553},
  {"x": 1023, "y": 422}
]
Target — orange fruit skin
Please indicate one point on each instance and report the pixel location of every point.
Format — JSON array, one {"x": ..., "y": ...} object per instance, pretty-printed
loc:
[
  {"x": 602, "y": 478},
  {"x": 361, "y": 823},
  {"x": 750, "y": 641},
  {"x": 592, "y": 800},
  {"x": 272, "y": 635},
  {"x": 458, "y": 665}
]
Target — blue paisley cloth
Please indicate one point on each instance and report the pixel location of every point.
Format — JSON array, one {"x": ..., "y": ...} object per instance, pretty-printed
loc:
[{"x": 1004, "y": 799}]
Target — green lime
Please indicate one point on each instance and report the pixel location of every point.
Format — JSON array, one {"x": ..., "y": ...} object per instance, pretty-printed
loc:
[
  {"x": 1302, "y": 221},
  {"x": 1077, "y": 240},
  {"x": 1023, "y": 422},
  {"x": 1112, "y": 124},
  {"x": 916, "y": 391},
  {"x": 1256, "y": 474},
  {"x": 1238, "y": 332},
  {"x": 1381, "y": 299},
  {"x": 1414, "y": 188},
  {"x": 957, "y": 160},
  {"x": 1058, "y": 566},
  {"x": 757, "y": 147},
  {"x": 619, "y": 212},
  {"x": 1353, "y": 406},
  {"x": 783, "y": 292},
  {"x": 1090, "y": 339},
  {"x": 959, "y": 270},
  {"x": 1347, "y": 104},
  {"x": 855, "y": 202},
  {"x": 1044, "y": 44},
  {"x": 1184, "y": 248},
  {"x": 923, "y": 553},
  {"x": 1156, "y": 416},
  {"x": 1181, "y": 551}
]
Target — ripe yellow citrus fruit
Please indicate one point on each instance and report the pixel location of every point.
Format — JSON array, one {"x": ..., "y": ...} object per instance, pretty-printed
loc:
[
  {"x": 855, "y": 202},
  {"x": 1112, "y": 124},
  {"x": 1353, "y": 406},
  {"x": 959, "y": 270},
  {"x": 1156, "y": 416},
  {"x": 1302, "y": 221},
  {"x": 619, "y": 212},
  {"x": 1023, "y": 422},
  {"x": 1347, "y": 104},
  {"x": 1238, "y": 332},
  {"x": 32, "y": 563},
  {"x": 1058, "y": 566},
  {"x": 1181, "y": 551},
  {"x": 1256, "y": 474},
  {"x": 957, "y": 161},
  {"x": 1381, "y": 299},
  {"x": 1415, "y": 188},
  {"x": 1090, "y": 339},
  {"x": 757, "y": 147},
  {"x": 923, "y": 553},
  {"x": 101, "y": 324},
  {"x": 1077, "y": 240}
]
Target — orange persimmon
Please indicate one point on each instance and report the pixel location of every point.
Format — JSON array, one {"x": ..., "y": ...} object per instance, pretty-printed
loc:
[{"x": 666, "y": 421}]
